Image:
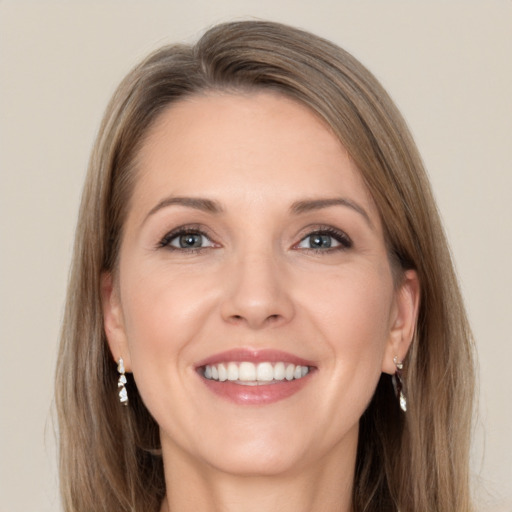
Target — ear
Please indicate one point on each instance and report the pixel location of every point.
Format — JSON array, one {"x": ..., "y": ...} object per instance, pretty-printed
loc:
[
  {"x": 403, "y": 321},
  {"x": 113, "y": 321}
]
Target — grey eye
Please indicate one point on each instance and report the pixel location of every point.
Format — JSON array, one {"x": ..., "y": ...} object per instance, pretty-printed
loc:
[
  {"x": 318, "y": 241},
  {"x": 190, "y": 241}
]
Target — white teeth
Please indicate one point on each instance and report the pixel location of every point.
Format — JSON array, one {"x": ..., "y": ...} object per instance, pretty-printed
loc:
[
  {"x": 232, "y": 371},
  {"x": 223, "y": 373},
  {"x": 279, "y": 371},
  {"x": 265, "y": 372},
  {"x": 247, "y": 372}
]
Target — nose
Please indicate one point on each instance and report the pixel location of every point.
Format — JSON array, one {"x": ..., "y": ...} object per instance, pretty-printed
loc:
[{"x": 257, "y": 292}]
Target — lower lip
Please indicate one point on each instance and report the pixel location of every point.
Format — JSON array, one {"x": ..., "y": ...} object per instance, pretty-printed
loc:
[{"x": 256, "y": 395}]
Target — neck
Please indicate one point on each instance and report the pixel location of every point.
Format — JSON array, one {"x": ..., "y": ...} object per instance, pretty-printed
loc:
[{"x": 326, "y": 487}]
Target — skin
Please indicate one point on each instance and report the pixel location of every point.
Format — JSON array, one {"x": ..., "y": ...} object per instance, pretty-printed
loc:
[{"x": 256, "y": 282}]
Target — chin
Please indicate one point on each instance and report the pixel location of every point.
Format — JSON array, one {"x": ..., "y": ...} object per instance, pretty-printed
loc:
[
  {"x": 267, "y": 462},
  {"x": 244, "y": 452}
]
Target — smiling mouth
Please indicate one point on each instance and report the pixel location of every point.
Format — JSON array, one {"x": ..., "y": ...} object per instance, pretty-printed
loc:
[
  {"x": 246, "y": 373},
  {"x": 250, "y": 377}
]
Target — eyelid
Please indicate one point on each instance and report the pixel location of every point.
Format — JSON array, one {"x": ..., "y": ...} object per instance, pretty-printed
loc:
[
  {"x": 337, "y": 243},
  {"x": 176, "y": 240},
  {"x": 165, "y": 241},
  {"x": 345, "y": 242}
]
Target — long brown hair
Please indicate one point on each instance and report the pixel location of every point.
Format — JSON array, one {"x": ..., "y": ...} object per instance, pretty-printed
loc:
[{"x": 109, "y": 455}]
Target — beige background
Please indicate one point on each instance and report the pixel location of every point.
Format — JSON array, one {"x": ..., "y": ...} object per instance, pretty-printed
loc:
[{"x": 448, "y": 66}]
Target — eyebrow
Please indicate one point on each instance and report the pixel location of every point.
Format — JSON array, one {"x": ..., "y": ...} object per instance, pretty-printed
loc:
[
  {"x": 198, "y": 203},
  {"x": 317, "y": 204},
  {"x": 297, "y": 208}
]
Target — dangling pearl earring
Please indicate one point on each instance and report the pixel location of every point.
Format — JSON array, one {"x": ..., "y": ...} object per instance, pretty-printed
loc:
[
  {"x": 397, "y": 383},
  {"x": 123, "y": 394}
]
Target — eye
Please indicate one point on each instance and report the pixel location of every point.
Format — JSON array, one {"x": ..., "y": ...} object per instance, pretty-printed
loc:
[
  {"x": 186, "y": 240},
  {"x": 325, "y": 240}
]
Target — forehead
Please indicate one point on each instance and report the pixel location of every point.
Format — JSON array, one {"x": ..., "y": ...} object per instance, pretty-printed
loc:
[{"x": 247, "y": 147}]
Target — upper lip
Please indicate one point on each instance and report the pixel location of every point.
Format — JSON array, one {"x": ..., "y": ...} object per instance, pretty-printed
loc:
[{"x": 254, "y": 356}]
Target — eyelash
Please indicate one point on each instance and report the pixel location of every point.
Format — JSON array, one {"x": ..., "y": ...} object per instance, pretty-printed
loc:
[
  {"x": 342, "y": 238},
  {"x": 181, "y": 231}
]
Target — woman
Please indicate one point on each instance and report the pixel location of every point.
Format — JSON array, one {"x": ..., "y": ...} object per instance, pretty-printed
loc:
[{"x": 262, "y": 312}]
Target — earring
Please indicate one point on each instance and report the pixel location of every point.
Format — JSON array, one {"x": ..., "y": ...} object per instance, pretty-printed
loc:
[
  {"x": 397, "y": 383},
  {"x": 123, "y": 394}
]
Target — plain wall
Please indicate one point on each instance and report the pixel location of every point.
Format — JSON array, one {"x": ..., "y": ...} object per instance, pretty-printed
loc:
[{"x": 448, "y": 65}]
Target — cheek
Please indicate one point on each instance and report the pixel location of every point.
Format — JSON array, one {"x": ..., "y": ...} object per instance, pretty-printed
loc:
[
  {"x": 353, "y": 316},
  {"x": 161, "y": 317},
  {"x": 161, "y": 313},
  {"x": 353, "y": 309}
]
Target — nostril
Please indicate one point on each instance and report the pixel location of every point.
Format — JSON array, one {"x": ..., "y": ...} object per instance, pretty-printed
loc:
[{"x": 270, "y": 319}]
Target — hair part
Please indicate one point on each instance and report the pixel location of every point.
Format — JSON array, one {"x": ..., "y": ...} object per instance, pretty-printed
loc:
[{"x": 414, "y": 462}]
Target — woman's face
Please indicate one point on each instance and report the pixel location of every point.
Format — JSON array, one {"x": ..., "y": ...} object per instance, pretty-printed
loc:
[{"x": 254, "y": 300}]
